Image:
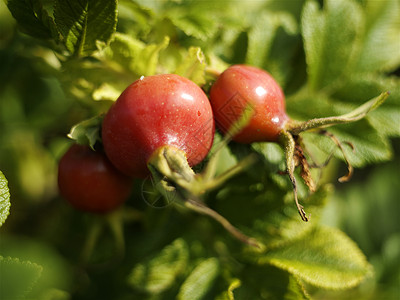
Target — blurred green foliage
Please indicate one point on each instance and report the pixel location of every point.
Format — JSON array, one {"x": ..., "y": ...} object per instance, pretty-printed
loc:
[{"x": 329, "y": 57}]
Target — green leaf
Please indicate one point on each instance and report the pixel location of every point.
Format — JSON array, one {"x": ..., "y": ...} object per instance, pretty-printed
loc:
[
  {"x": 229, "y": 294},
  {"x": 268, "y": 282},
  {"x": 262, "y": 205},
  {"x": 115, "y": 67},
  {"x": 292, "y": 7},
  {"x": 272, "y": 43},
  {"x": 192, "y": 23},
  {"x": 55, "y": 294},
  {"x": 158, "y": 273},
  {"x": 374, "y": 197},
  {"x": 379, "y": 49},
  {"x": 295, "y": 290},
  {"x": 87, "y": 80},
  {"x": 32, "y": 18},
  {"x": 200, "y": 280},
  {"x": 329, "y": 40},
  {"x": 363, "y": 86},
  {"x": 55, "y": 273},
  {"x": 84, "y": 23},
  {"x": 261, "y": 36},
  {"x": 5, "y": 203},
  {"x": 127, "y": 53},
  {"x": 87, "y": 132},
  {"x": 106, "y": 92},
  {"x": 281, "y": 226},
  {"x": 134, "y": 19},
  {"x": 370, "y": 145},
  {"x": 355, "y": 115},
  {"x": 193, "y": 66},
  {"x": 325, "y": 258},
  {"x": 17, "y": 277}
]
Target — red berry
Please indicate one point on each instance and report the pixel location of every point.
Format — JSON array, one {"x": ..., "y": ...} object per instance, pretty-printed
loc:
[
  {"x": 240, "y": 86},
  {"x": 89, "y": 182},
  {"x": 157, "y": 111}
]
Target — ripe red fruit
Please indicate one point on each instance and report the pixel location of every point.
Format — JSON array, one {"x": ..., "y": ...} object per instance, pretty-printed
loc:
[
  {"x": 89, "y": 182},
  {"x": 156, "y": 111},
  {"x": 242, "y": 86}
]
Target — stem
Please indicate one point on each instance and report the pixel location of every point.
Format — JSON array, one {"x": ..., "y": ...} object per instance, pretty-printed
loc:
[
  {"x": 91, "y": 240},
  {"x": 360, "y": 112},
  {"x": 211, "y": 167},
  {"x": 115, "y": 221},
  {"x": 201, "y": 208},
  {"x": 132, "y": 215},
  {"x": 289, "y": 145},
  {"x": 213, "y": 73},
  {"x": 235, "y": 128},
  {"x": 218, "y": 181}
]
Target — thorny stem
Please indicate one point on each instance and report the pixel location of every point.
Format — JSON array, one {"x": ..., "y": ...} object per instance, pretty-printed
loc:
[
  {"x": 213, "y": 73},
  {"x": 198, "y": 206},
  {"x": 235, "y": 128},
  {"x": 169, "y": 164},
  {"x": 115, "y": 222},
  {"x": 294, "y": 128},
  {"x": 91, "y": 240},
  {"x": 360, "y": 112},
  {"x": 218, "y": 181},
  {"x": 289, "y": 145}
]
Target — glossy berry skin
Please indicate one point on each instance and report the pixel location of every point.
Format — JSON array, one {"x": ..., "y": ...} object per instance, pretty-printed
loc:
[
  {"x": 240, "y": 85},
  {"x": 89, "y": 182},
  {"x": 157, "y": 111}
]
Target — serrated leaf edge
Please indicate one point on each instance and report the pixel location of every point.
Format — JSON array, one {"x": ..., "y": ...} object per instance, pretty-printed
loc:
[{"x": 14, "y": 260}]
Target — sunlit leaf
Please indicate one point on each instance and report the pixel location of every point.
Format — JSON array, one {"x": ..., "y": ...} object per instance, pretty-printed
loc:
[
  {"x": 370, "y": 145},
  {"x": 160, "y": 272},
  {"x": 379, "y": 49},
  {"x": 5, "y": 203},
  {"x": 53, "y": 273},
  {"x": 329, "y": 37},
  {"x": 87, "y": 132},
  {"x": 329, "y": 56},
  {"x": 259, "y": 281},
  {"x": 272, "y": 45},
  {"x": 106, "y": 91},
  {"x": 363, "y": 86},
  {"x": 133, "y": 55},
  {"x": 326, "y": 258},
  {"x": 266, "y": 210},
  {"x": 193, "y": 66},
  {"x": 134, "y": 19},
  {"x": 200, "y": 280},
  {"x": 229, "y": 294},
  {"x": 17, "y": 277},
  {"x": 201, "y": 26}
]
